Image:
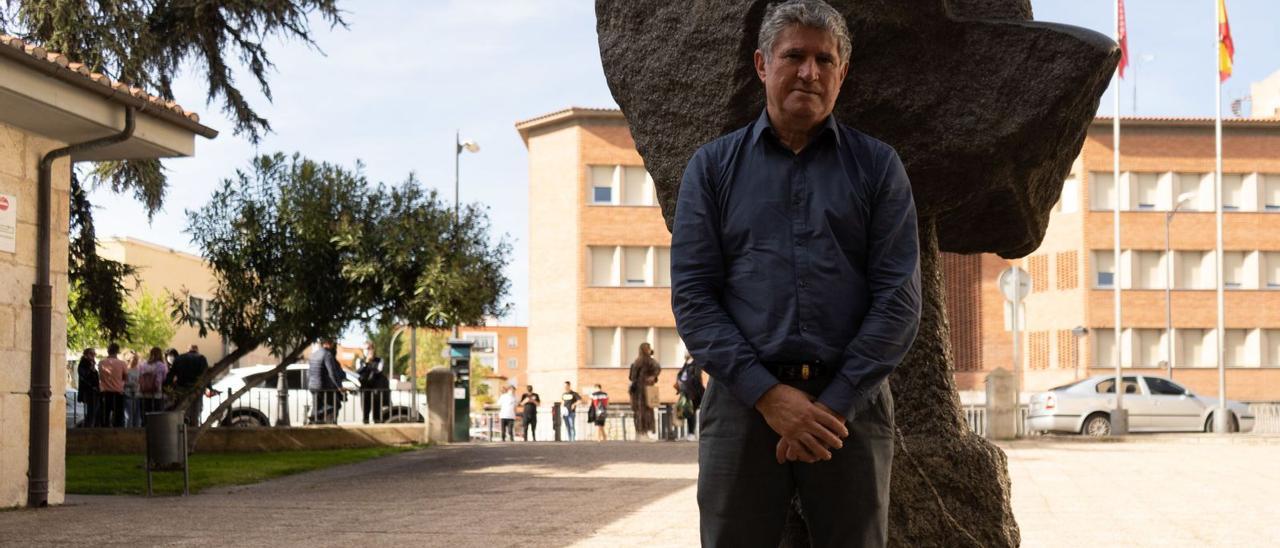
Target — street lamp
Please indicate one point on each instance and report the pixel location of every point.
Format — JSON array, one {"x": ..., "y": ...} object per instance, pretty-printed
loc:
[
  {"x": 459, "y": 146},
  {"x": 1079, "y": 332},
  {"x": 1168, "y": 280}
]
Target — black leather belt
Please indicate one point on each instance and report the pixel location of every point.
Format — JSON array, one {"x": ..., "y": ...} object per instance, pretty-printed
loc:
[{"x": 799, "y": 371}]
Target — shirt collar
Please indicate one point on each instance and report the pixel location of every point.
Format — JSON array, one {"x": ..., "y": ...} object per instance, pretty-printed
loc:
[{"x": 762, "y": 123}]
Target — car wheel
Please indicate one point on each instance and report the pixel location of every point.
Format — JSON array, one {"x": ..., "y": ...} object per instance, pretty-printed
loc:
[
  {"x": 1097, "y": 425},
  {"x": 1234, "y": 425},
  {"x": 245, "y": 421}
]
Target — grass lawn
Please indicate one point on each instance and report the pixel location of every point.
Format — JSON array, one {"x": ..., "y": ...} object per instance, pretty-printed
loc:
[{"x": 126, "y": 475}]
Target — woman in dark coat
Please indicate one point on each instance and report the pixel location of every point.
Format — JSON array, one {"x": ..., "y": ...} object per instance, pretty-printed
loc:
[
  {"x": 644, "y": 390},
  {"x": 87, "y": 387}
]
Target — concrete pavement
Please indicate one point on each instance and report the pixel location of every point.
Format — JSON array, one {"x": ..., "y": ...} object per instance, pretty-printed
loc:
[{"x": 1193, "y": 492}]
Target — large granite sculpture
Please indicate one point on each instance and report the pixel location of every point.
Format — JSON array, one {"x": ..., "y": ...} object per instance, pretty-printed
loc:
[{"x": 987, "y": 109}]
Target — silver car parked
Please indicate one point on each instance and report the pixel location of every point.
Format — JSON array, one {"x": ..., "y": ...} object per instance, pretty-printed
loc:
[{"x": 1155, "y": 404}]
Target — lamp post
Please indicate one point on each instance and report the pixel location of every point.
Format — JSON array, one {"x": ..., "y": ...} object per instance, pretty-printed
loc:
[
  {"x": 1079, "y": 332},
  {"x": 1168, "y": 281},
  {"x": 458, "y": 146}
]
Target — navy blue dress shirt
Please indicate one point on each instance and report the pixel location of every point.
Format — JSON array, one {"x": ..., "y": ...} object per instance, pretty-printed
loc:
[{"x": 787, "y": 258}]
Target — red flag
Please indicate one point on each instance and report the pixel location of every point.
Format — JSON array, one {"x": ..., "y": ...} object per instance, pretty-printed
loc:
[
  {"x": 1122, "y": 36},
  {"x": 1226, "y": 48}
]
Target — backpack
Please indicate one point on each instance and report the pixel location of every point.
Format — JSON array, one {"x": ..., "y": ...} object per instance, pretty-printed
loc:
[{"x": 149, "y": 382}]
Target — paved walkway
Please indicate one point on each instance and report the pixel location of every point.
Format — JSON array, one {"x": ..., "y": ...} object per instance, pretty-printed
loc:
[{"x": 1170, "y": 493}]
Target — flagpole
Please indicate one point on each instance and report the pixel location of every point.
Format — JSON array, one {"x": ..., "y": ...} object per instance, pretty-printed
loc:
[
  {"x": 1119, "y": 423},
  {"x": 1220, "y": 417}
]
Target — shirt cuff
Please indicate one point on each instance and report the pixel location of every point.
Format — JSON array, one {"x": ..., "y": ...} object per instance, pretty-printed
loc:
[
  {"x": 749, "y": 385},
  {"x": 843, "y": 398}
]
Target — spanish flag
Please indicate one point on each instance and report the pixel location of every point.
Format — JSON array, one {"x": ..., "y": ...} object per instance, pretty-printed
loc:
[
  {"x": 1226, "y": 49},
  {"x": 1122, "y": 36}
]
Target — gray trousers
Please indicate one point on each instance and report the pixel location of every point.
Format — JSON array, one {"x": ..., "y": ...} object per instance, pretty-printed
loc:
[{"x": 744, "y": 494}]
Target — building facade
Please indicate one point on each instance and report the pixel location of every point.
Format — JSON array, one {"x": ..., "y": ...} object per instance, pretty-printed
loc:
[
  {"x": 1166, "y": 163},
  {"x": 166, "y": 273},
  {"x": 599, "y": 256},
  {"x": 48, "y": 102}
]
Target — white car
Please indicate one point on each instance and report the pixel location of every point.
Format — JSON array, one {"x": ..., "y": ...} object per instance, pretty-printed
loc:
[
  {"x": 259, "y": 406},
  {"x": 1155, "y": 404}
]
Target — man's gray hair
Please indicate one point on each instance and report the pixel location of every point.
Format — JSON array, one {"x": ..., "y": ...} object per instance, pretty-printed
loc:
[{"x": 810, "y": 13}]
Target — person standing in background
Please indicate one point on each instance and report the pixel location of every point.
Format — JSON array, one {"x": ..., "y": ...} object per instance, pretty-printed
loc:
[
  {"x": 87, "y": 391},
  {"x": 111, "y": 371},
  {"x": 569, "y": 401},
  {"x": 689, "y": 386},
  {"x": 599, "y": 411},
  {"x": 507, "y": 412},
  {"x": 151, "y": 381},
  {"x": 132, "y": 406},
  {"x": 375, "y": 387},
  {"x": 185, "y": 375},
  {"x": 644, "y": 391},
  {"x": 529, "y": 403}
]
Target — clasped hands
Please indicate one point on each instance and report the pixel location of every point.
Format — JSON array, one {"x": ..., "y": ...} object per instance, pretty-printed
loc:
[{"x": 809, "y": 429}]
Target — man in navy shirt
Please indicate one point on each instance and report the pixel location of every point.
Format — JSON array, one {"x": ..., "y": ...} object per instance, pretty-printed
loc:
[{"x": 796, "y": 283}]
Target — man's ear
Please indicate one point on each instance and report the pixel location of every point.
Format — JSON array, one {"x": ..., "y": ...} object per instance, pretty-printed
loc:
[{"x": 760, "y": 64}]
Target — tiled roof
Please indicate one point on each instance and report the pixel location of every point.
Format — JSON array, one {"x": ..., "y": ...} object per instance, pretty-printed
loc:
[
  {"x": 1187, "y": 121},
  {"x": 59, "y": 66}
]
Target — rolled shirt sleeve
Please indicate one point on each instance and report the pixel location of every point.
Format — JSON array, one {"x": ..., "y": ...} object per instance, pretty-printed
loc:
[
  {"x": 893, "y": 272},
  {"x": 697, "y": 283}
]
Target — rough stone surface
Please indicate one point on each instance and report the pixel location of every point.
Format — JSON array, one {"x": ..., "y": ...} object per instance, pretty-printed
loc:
[
  {"x": 987, "y": 110},
  {"x": 987, "y": 114}
]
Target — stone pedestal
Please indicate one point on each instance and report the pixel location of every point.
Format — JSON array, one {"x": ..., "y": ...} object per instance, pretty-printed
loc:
[
  {"x": 1002, "y": 406},
  {"x": 440, "y": 405}
]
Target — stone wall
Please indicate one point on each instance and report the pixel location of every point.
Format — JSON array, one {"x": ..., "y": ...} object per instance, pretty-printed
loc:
[{"x": 20, "y": 154}]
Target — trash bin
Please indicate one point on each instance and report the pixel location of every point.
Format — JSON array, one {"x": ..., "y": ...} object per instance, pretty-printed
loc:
[{"x": 167, "y": 446}]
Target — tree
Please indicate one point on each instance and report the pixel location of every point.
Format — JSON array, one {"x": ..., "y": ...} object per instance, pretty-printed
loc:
[
  {"x": 150, "y": 323},
  {"x": 296, "y": 249},
  {"x": 147, "y": 43}
]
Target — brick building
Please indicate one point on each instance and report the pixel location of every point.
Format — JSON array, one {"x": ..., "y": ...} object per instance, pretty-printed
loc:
[
  {"x": 1165, "y": 161},
  {"x": 599, "y": 255}
]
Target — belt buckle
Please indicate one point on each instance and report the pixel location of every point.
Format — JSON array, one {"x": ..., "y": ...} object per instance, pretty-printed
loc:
[{"x": 804, "y": 372}]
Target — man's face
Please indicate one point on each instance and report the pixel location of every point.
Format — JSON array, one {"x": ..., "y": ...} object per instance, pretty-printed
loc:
[{"x": 803, "y": 75}]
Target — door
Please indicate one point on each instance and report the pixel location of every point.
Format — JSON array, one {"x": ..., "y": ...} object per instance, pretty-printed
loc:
[
  {"x": 1141, "y": 408},
  {"x": 1176, "y": 409}
]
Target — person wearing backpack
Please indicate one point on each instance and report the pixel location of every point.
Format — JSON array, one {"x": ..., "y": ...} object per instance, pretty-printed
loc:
[
  {"x": 151, "y": 376},
  {"x": 598, "y": 411},
  {"x": 689, "y": 386}
]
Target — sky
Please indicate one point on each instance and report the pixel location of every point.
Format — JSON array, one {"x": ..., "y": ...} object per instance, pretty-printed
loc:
[{"x": 392, "y": 88}]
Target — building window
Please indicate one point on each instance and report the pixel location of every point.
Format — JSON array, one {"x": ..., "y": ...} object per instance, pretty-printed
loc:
[
  {"x": 1148, "y": 347},
  {"x": 1233, "y": 274},
  {"x": 1038, "y": 270},
  {"x": 634, "y": 264},
  {"x": 513, "y": 363},
  {"x": 632, "y": 337},
  {"x": 603, "y": 268},
  {"x": 603, "y": 351},
  {"x": 670, "y": 349},
  {"x": 602, "y": 183},
  {"x": 1271, "y": 268},
  {"x": 1241, "y": 348},
  {"x": 1069, "y": 200},
  {"x": 484, "y": 342},
  {"x": 1233, "y": 193},
  {"x": 1192, "y": 348},
  {"x": 1270, "y": 191},
  {"x": 1104, "y": 268},
  {"x": 1271, "y": 347},
  {"x": 1104, "y": 347},
  {"x": 1148, "y": 270},
  {"x": 1194, "y": 270},
  {"x": 1193, "y": 183},
  {"x": 513, "y": 342},
  {"x": 637, "y": 187},
  {"x": 1146, "y": 191},
  {"x": 195, "y": 309},
  {"x": 662, "y": 266},
  {"x": 1066, "y": 270},
  {"x": 1102, "y": 191}
]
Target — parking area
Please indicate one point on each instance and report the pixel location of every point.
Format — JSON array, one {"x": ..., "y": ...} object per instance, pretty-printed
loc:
[{"x": 1188, "y": 490}]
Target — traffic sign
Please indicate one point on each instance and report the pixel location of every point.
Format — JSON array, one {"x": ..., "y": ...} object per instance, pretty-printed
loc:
[{"x": 1015, "y": 283}]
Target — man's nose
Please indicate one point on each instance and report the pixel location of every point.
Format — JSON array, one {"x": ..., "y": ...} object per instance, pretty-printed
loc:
[{"x": 808, "y": 70}]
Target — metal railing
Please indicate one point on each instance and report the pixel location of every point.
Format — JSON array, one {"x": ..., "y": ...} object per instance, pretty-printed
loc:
[
  {"x": 261, "y": 406},
  {"x": 1266, "y": 418},
  {"x": 976, "y": 417},
  {"x": 619, "y": 425}
]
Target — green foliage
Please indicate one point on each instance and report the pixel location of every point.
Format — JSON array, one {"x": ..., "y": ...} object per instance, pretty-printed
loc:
[
  {"x": 150, "y": 323},
  {"x": 120, "y": 474},
  {"x": 83, "y": 328},
  {"x": 480, "y": 395},
  {"x": 98, "y": 283}
]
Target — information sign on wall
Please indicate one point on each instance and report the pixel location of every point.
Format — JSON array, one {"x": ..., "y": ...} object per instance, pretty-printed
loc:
[{"x": 8, "y": 223}]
